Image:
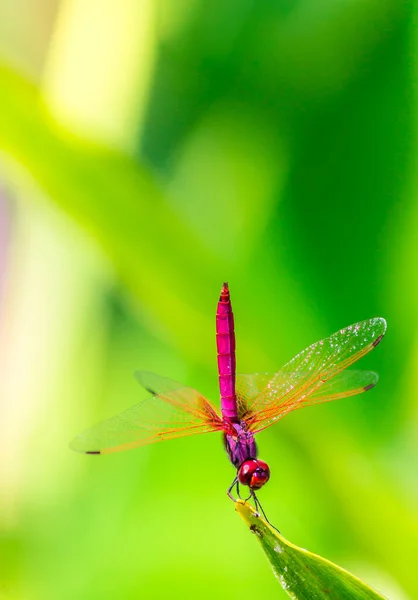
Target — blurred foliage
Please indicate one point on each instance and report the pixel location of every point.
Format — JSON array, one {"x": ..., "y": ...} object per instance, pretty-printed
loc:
[{"x": 276, "y": 151}]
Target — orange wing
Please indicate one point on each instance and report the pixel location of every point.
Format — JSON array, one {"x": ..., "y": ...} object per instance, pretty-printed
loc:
[
  {"x": 313, "y": 376},
  {"x": 173, "y": 411}
]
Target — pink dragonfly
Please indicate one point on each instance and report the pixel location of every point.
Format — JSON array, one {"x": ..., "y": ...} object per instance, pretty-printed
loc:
[{"x": 249, "y": 403}]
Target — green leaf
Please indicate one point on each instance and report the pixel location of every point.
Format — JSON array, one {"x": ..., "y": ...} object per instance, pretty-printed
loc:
[
  {"x": 303, "y": 575},
  {"x": 119, "y": 202}
]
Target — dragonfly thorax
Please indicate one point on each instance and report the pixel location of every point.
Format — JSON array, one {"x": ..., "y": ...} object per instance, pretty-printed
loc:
[
  {"x": 240, "y": 444},
  {"x": 242, "y": 451}
]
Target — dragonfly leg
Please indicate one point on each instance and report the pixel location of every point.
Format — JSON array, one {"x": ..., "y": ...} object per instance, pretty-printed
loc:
[
  {"x": 259, "y": 509},
  {"x": 231, "y": 487}
]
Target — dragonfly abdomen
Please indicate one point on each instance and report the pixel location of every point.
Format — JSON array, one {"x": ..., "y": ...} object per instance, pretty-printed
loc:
[{"x": 225, "y": 343}]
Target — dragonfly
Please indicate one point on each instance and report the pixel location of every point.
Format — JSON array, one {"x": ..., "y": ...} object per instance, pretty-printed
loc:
[{"x": 249, "y": 403}]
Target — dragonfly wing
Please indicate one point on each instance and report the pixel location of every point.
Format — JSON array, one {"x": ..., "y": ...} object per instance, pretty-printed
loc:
[
  {"x": 248, "y": 388},
  {"x": 299, "y": 382},
  {"x": 186, "y": 399},
  {"x": 155, "y": 384},
  {"x": 342, "y": 385},
  {"x": 166, "y": 415}
]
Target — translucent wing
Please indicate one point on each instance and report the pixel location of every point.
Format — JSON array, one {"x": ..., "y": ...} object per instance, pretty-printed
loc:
[
  {"x": 173, "y": 411},
  {"x": 247, "y": 389},
  {"x": 342, "y": 385},
  {"x": 313, "y": 376}
]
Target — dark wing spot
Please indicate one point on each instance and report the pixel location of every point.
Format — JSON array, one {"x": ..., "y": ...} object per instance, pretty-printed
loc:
[
  {"x": 377, "y": 340},
  {"x": 93, "y": 452},
  {"x": 151, "y": 391},
  {"x": 368, "y": 387}
]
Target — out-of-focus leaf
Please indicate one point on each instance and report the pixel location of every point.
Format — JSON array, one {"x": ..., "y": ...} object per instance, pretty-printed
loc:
[
  {"x": 116, "y": 200},
  {"x": 304, "y": 575}
]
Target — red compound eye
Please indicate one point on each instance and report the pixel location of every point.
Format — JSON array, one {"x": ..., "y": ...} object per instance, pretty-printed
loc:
[{"x": 254, "y": 473}]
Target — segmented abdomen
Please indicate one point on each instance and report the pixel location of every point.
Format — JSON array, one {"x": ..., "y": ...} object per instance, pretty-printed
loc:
[{"x": 225, "y": 342}]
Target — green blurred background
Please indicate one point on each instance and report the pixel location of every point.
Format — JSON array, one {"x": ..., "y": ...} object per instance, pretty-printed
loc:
[{"x": 150, "y": 150}]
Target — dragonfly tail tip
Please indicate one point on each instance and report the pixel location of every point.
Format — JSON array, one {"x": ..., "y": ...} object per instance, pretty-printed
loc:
[{"x": 224, "y": 292}]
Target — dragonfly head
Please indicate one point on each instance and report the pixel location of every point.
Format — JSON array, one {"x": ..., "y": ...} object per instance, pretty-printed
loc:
[{"x": 254, "y": 473}]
